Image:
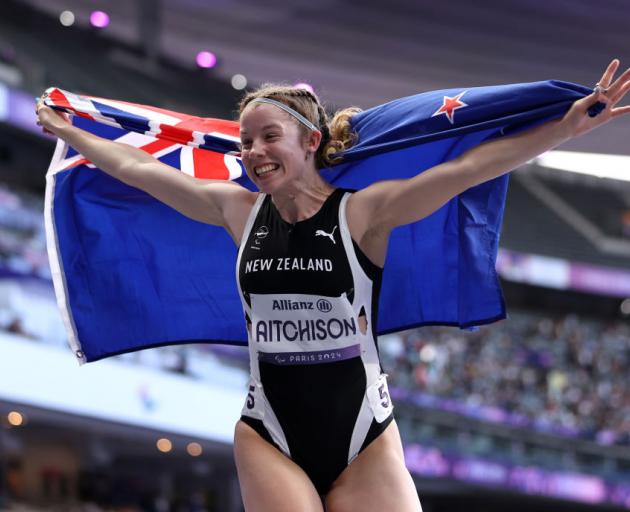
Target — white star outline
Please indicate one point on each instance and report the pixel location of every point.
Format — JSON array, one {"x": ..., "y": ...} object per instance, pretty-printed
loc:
[{"x": 449, "y": 113}]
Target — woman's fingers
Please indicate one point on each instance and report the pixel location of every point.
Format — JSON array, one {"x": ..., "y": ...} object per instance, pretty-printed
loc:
[
  {"x": 619, "y": 111},
  {"x": 608, "y": 74},
  {"x": 39, "y": 105},
  {"x": 65, "y": 116},
  {"x": 618, "y": 95},
  {"x": 622, "y": 78}
]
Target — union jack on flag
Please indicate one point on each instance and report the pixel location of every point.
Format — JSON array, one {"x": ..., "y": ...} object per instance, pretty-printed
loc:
[
  {"x": 207, "y": 148},
  {"x": 132, "y": 273}
]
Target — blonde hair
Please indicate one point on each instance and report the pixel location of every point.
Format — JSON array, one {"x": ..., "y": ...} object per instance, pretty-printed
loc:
[{"x": 337, "y": 134}]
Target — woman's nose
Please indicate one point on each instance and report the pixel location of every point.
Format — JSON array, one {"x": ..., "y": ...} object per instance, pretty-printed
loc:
[{"x": 257, "y": 148}]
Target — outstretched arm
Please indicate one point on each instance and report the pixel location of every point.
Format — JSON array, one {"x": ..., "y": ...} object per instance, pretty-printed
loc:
[
  {"x": 387, "y": 204},
  {"x": 218, "y": 202}
]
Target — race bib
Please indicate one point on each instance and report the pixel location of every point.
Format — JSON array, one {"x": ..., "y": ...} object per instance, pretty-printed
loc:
[
  {"x": 295, "y": 323},
  {"x": 379, "y": 399},
  {"x": 254, "y": 403}
]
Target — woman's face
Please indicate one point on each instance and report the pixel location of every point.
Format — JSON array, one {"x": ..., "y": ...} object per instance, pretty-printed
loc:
[{"x": 273, "y": 148}]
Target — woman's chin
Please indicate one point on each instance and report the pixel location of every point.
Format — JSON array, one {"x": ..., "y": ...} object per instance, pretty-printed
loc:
[{"x": 269, "y": 184}]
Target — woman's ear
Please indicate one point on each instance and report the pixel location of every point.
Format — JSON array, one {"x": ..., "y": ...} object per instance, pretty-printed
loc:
[{"x": 313, "y": 140}]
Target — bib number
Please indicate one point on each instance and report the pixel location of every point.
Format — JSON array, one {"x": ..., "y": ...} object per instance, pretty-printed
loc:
[{"x": 379, "y": 399}]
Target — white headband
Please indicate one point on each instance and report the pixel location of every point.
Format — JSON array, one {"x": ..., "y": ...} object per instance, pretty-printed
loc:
[{"x": 289, "y": 111}]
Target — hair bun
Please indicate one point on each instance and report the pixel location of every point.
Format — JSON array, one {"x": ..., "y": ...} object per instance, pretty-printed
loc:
[{"x": 342, "y": 136}]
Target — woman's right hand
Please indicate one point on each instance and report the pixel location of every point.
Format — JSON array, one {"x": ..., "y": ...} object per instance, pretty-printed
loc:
[{"x": 50, "y": 120}]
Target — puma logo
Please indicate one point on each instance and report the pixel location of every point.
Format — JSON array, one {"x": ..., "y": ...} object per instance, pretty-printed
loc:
[{"x": 321, "y": 232}]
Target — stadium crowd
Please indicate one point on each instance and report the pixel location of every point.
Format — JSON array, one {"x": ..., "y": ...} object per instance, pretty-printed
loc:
[
  {"x": 565, "y": 374},
  {"x": 22, "y": 234}
]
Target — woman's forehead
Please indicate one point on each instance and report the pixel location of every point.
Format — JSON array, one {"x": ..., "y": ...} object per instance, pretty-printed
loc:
[{"x": 259, "y": 116}]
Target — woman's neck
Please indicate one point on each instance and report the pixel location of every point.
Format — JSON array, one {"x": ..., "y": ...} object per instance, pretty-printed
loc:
[{"x": 303, "y": 199}]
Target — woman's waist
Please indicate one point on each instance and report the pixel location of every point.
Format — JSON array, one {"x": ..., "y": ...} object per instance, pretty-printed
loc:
[{"x": 308, "y": 355}]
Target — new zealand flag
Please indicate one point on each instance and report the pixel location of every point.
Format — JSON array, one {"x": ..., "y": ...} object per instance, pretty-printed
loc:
[{"x": 132, "y": 273}]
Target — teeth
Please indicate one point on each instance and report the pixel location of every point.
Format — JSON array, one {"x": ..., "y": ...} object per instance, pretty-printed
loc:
[{"x": 264, "y": 169}]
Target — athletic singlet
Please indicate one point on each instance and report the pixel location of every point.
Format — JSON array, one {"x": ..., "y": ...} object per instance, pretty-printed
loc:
[{"x": 316, "y": 390}]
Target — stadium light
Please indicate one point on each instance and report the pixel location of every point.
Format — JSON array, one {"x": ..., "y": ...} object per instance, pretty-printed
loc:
[
  {"x": 206, "y": 59},
  {"x": 239, "y": 82},
  {"x": 194, "y": 449},
  {"x": 164, "y": 445},
  {"x": 66, "y": 18},
  {"x": 616, "y": 167},
  {"x": 99, "y": 19},
  {"x": 15, "y": 419}
]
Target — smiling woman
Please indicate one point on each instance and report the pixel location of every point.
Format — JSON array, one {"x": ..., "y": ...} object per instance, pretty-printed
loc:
[
  {"x": 318, "y": 420},
  {"x": 307, "y": 318}
]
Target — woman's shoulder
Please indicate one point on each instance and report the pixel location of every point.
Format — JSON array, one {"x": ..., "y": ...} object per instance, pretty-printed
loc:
[{"x": 237, "y": 204}]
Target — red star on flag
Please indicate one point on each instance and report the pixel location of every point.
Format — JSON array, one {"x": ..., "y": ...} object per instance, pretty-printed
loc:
[{"x": 450, "y": 105}]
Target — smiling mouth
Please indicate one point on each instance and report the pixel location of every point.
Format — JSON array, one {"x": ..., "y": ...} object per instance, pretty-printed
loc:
[{"x": 265, "y": 169}]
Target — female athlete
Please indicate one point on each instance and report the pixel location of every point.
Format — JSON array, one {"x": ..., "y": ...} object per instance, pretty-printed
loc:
[{"x": 317, "y": 429}]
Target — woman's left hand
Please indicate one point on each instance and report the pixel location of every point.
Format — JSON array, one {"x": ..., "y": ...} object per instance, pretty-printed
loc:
[{"x": 577, "y": 120}]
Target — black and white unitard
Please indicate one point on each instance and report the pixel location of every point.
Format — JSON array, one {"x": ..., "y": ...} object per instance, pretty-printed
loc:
[{"x": 317, "y": 391}]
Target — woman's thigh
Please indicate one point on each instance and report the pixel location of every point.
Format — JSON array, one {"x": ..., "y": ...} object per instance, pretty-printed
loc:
[
  {"x": 376, "y": 480},
  {"x": 270, "y": 481}
]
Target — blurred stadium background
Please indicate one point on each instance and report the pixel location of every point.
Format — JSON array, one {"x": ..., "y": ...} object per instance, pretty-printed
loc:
[{"x": 532, "y": 413}]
